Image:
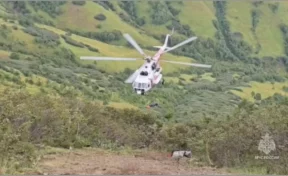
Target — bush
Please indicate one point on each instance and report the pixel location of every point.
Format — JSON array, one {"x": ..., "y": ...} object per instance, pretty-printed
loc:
[
  {"x": 14, "y": 56},
  {"x": 43, "y": 36},
  {"x": 285, "y": 88},
  {"x": 257, "y": 96},
  {"x": 80, "y": 3},
  {"x": 15, "y": 27},
  {"x": 51, "y": 8},
  {"x": 25, "y": 22},
  {"x": 106, "y": 36},
  {"x": 99, "y": 26},
  {"x": 93, "y": 49},
  {"x": 70, "y": 41},
  {"x": 100, "y": 17},
  {"x": 160, "y": 13}
]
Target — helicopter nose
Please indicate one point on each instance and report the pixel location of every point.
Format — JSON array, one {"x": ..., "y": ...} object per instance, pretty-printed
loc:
[{"x": 139, "y": 92}]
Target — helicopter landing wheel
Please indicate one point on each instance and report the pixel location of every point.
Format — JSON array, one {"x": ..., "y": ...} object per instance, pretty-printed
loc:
[{"x": 163, "y": 81}]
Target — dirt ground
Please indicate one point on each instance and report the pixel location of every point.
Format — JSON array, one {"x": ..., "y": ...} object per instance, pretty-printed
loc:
[{"x": 95, "y": 162}]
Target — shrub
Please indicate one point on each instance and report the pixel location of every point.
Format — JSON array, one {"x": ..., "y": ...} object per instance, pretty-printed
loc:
[
  {"x": 43, "y": 36},
  {"x": 80, "y": 3},
  {"x": 93, "y": 49},
  {"x": 100, "y": 17},
  {"x": 15, "y": 27},
  {"x": 14, "y": 56},
  {"x": 99, "y": 26},
  {"x": 70, "y": 41}
]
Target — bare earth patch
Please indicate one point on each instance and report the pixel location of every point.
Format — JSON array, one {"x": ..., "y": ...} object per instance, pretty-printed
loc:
[{"x": 95, "y": 162}]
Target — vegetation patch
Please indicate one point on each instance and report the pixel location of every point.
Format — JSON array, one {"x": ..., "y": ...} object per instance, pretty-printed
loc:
[
  {"x": 43, "y": 36},
  {"x": 70, "y": 41},
  {"x": 100, "y": 17},
  {"x": 4, "y": 54},
  {"x": 51, "y": 8},
  {"x": 161, "y": 13},
  {"x": 263, "y": 90},
  {"x": 80, "y": 3}
]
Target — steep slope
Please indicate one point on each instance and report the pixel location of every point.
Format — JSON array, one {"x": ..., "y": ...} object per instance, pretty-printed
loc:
[
  {"x": 81, "y": 18},
  {"x": 91, "y": 37},
  {"x": 266, "y": 18},
  {"x": 51, "y": 97},
  {"x": 199, "y": 16}
]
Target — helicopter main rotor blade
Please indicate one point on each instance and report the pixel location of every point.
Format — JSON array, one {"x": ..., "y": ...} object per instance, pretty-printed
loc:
[
  {"x": 181, "y": 44},
  {"x": 133, "y": 43},
  {"x": 107, "y": 58},
  {"x": 190, "y": 64}
]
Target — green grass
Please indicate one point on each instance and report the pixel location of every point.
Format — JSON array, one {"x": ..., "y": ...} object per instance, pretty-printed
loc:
[
  {"x": 81, "y": 18},
  {"x": 2, "y": 10},
  {"x": 239, "y": 16},
  {"x": 186, "y": 78},
  {"x": 236, "y": 76},
  {"x": 144, "y": 10},
  {"x": 27, "y": 38},
  {"x": 39, "y": 13},
  {"x": 270, "y": 36},
  {"x": 116, "y": 101},
  {"x": 105, "y": 50},
  {"x": 171, "y": 79},
  {"x": 265, "y": 89},
  {"x": 208, "y": 76},
  {"x": 199, "y": 16},
  {"x": 21, "y": 36},
  {"x": 247, "y": 171},
  {"x": 268, "y": 32},
  {"x": 122, "y": 105}
]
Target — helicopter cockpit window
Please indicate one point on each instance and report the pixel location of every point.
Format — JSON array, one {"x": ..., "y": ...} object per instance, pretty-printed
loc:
[
  {"x": 153, "y": 66},
  {"x": 144, "y": 73},
  {"x": 140, "y": 85}
]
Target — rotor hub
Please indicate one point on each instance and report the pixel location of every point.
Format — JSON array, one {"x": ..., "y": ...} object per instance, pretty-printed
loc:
[{"x": 148, "y": 58}]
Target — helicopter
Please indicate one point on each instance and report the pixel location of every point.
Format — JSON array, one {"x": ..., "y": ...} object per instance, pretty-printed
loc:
[{"x": 150, "y": 73}]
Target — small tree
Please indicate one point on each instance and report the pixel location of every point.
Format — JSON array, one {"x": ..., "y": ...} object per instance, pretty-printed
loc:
[
  {"x": 15, "y": 56},
  {"x": 258, "y": 96},
  {"x": 100, "y": 17}
]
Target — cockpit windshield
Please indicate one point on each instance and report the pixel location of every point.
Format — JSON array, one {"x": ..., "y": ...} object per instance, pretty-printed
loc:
[{"x": 139, "y": 85}]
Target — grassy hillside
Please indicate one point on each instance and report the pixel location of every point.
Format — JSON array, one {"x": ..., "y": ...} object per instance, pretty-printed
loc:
[
  {"x": 264, "y": 89},
  {"x": 267, "y": 33},
  {"x": 199, "y": 16},
  {"x": 245, "y": 42},
  {"x": 85, "y": 34}
]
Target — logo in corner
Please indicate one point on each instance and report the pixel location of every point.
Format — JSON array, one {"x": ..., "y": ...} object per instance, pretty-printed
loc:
[{"x": 266, "y": 144}]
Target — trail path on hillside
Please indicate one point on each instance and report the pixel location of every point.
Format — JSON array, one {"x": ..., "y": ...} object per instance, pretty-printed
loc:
[{"x": 101, "y": 163}]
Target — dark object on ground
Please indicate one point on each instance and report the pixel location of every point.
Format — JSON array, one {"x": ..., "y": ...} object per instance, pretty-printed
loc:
[{"x": 153, "y": 105}]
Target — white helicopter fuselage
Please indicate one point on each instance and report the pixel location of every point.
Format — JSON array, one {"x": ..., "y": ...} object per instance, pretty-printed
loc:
[
  {"x": 148, "y": 76},
  {"x": 150, "y": 73}
]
